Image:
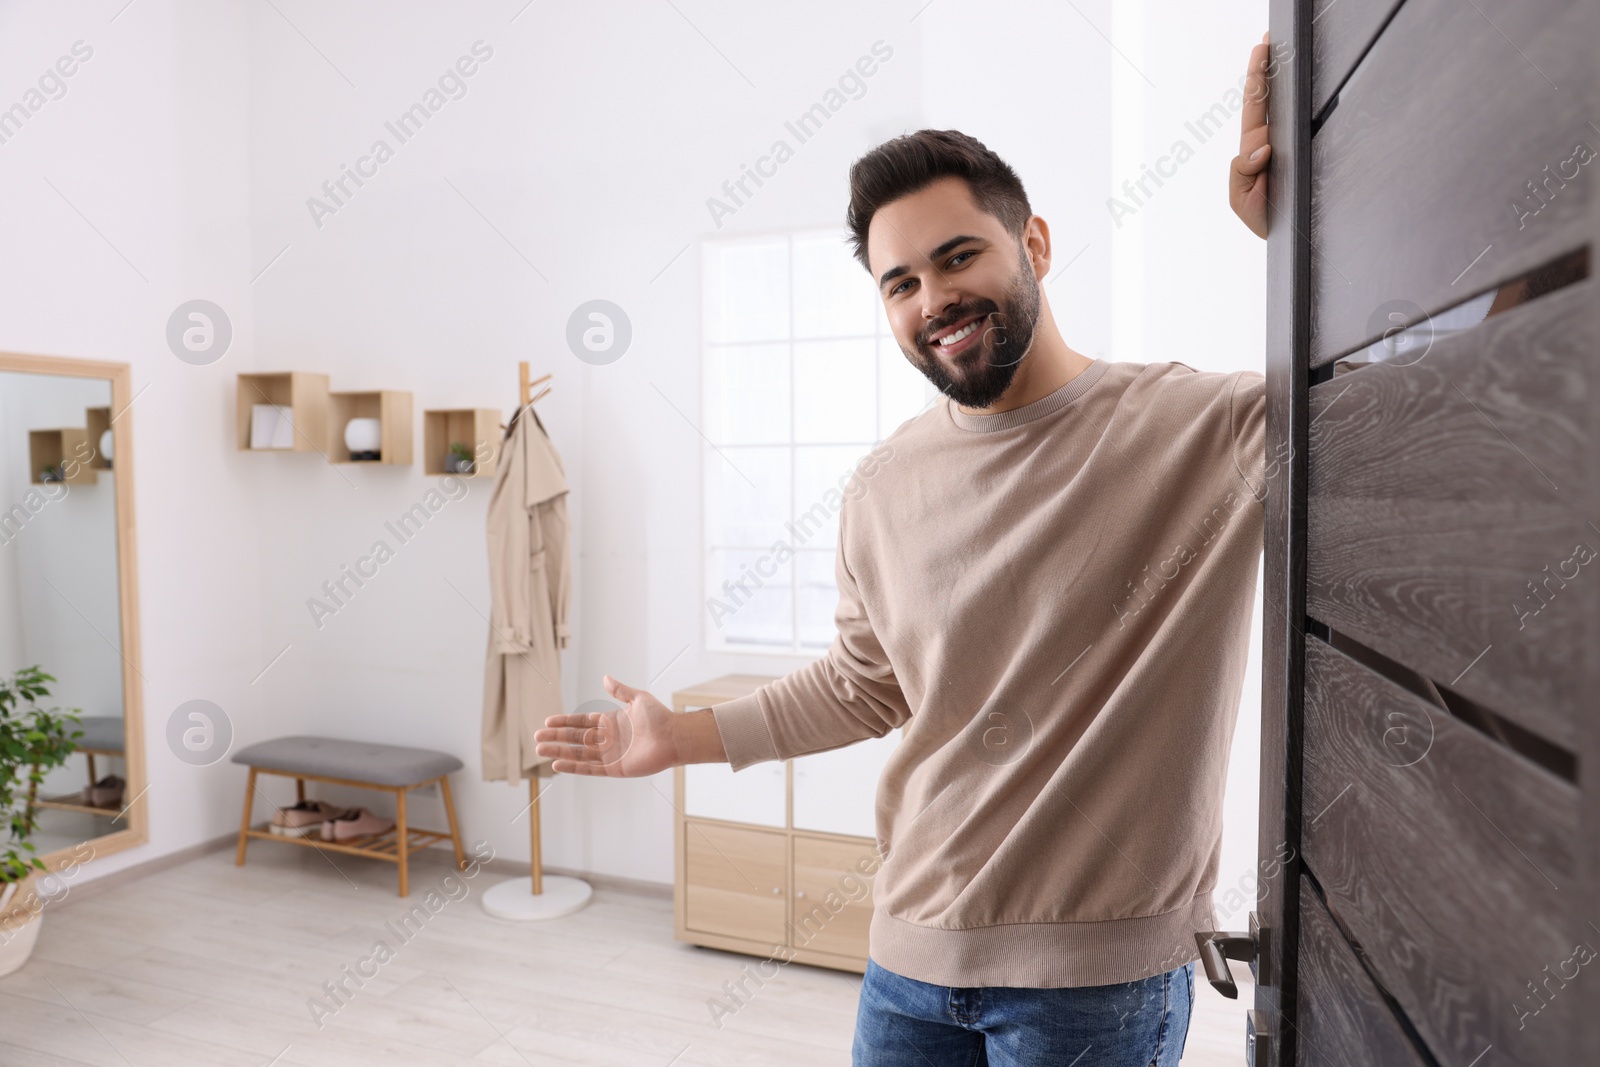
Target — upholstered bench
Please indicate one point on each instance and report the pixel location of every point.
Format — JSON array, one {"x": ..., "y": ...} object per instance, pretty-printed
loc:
[
  {"x": 365, "y": 765},
  {"x": 102, "y": 736}
]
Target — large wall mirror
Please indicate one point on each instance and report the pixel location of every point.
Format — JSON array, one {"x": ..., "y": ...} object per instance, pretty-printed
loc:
[{"x": 68, "y": 595}]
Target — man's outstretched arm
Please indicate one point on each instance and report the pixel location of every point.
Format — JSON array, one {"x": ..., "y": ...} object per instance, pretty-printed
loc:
[{"x": 848, "y": 695}]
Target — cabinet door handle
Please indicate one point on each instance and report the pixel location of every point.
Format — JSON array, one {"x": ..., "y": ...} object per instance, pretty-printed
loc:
[
  {"x": 800, "y": 893},
  {"x": 777, "y": 891}
]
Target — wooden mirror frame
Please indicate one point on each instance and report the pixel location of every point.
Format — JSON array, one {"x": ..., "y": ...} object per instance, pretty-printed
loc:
[{"x": 137, "y": 830}]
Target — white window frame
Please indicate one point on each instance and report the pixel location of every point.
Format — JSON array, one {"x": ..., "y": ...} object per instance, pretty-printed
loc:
[{"x": 712, "y": 640}]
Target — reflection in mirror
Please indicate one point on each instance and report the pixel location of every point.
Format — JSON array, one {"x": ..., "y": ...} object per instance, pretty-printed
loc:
[
  {"x": 59, "y": 594},
  {"x": 1405, "y": 344}
]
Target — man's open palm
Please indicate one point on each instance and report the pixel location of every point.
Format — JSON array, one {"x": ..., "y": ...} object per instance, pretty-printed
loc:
[
  {"x": 1247, "y": 184},
  {"x": 633, "y": 741}
]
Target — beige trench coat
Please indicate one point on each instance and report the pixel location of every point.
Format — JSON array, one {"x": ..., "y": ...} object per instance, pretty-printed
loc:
[{"x": 530, "y": 578}]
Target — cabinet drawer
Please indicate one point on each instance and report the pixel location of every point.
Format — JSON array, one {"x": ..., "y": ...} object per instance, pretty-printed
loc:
[
  {"x": 832, "y": 895},
  {"x": 735, "y": 882}
]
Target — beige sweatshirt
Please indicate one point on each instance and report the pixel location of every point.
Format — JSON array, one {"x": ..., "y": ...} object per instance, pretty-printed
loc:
[{"x": 1055, "y": 601}]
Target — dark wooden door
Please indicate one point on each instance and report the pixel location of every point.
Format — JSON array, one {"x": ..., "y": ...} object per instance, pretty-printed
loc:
[{"x": 1432, "y": 573}]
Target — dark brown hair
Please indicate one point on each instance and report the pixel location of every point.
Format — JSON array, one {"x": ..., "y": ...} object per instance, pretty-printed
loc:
[{"x": 913, "y": 161}]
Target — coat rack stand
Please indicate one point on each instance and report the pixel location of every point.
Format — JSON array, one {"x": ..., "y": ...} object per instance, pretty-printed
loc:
[{"x": 537, "y": 896}]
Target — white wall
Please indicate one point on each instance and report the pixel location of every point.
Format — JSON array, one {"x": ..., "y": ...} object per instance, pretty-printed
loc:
[
  {"x": 589, "y": 143},
  {"x": 127, "y": 196},
  {"x": 577, "y": 166}
]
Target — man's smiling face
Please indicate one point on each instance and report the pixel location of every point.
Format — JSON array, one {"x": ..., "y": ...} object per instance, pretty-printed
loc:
[{"x": 947, "y": 270}]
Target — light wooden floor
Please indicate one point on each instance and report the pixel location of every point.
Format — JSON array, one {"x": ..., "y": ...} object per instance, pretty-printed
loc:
[{"x": 215, "y": 965}]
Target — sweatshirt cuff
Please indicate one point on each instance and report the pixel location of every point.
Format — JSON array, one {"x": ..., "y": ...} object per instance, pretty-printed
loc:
[{"x": 743, "y": 729}]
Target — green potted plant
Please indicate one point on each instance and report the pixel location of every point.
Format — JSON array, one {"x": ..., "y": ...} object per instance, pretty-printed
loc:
[
  {"x": 32, "y": 740},
  {"x": 460, "y": 461}
]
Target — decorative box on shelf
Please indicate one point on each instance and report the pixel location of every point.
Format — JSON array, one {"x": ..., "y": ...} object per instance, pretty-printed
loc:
[
  {"x": 461, "y": 441},
  {"x": 62, "y": 455},
  {"x": 390, "y": 409},
  {"x": 283, "y": 412}
]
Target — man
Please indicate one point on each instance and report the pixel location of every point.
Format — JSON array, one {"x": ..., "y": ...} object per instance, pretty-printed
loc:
[{"x": 1048, "y": 580}]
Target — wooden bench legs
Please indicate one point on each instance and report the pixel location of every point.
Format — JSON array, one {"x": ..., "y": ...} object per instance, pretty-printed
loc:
[
  {"x": 244, "y": 820},
  {"x": 402, "y": 853},
  {"x": 450, "y": 814}
]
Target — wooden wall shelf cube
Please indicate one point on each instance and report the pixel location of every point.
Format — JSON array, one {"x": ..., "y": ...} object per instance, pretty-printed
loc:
[
  {"x": 99, "y": 420},
  {"x": 477, "y": 428},
  {"x": 392, "y": 409},
  {"x": 48, "y": 448},
  {"x": 303, "y": 393}
]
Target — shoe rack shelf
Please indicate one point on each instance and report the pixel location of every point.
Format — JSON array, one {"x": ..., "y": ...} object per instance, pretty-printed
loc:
[
  {"x": 395, "y": 845},
  {"x": 74, "y": 802},
  {"x": 384, "y": 846}
]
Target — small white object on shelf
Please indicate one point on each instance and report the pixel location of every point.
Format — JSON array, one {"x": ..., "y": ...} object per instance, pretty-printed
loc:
[
  {"x": 105, "y": 446},
  {"x": 271, "y": 426},
  {"x": 364, "y": 438}
]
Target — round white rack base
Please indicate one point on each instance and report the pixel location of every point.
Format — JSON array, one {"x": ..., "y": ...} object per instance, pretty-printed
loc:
[{"x": 516, "y": 900}]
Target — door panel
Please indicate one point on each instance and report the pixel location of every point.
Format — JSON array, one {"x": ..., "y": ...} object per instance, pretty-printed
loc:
[
  {"x": 1418, "y": 172},
  {"x": 1343, "y": 1018},
  {"x": 1437, "y": 533},
  {"x": 1444, "y": 854},
  {"x": 1345, "y": 28},
  {"x": 1431, "y": 648}
]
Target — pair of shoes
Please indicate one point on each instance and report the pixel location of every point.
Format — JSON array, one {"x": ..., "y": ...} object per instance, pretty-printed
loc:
[
  {"x": 355, "y": 822},
  {"x": 304, "y": 819},
  {"x": 106, "y": 793}
]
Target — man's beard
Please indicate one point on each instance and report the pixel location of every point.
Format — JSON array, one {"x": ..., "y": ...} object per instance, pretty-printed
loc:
[{"x": 980, "y": 375}]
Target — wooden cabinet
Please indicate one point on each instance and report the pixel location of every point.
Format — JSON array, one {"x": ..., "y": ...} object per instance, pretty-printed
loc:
[{"x": 761, "y": 867}]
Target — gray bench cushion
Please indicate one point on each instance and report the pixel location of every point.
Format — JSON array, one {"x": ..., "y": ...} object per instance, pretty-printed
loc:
[
  {"x": 100, "y": 731},
  {"x": 361, "y": 761}
]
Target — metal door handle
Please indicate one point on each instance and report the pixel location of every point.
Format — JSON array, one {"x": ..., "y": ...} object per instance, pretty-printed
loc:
[{"x": 1216, "y": 949}]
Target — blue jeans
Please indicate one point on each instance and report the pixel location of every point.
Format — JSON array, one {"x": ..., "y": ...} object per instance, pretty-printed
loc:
[{"x": 902, "y": 1022}]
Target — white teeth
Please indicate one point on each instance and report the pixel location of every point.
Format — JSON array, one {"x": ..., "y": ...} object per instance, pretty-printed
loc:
[{"x": 959, "y": 334}]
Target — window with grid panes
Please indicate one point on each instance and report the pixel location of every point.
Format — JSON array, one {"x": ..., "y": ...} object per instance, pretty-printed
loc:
[{"x": 801, "y": 379}]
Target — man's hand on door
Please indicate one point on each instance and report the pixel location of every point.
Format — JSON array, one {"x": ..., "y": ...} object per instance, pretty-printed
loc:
[{"x": 1247, "y": 184}]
